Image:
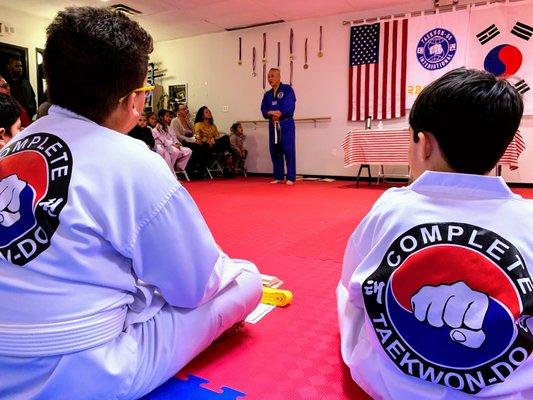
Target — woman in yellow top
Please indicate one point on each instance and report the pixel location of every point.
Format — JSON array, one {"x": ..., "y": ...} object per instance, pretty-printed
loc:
[{"x": 214, "y": 142}]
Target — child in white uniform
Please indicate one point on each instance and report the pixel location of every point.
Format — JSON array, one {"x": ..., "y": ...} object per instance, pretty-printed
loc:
[
  {"x": 167, "y": 144},
  {"x": 100, "y": 295},
  {"x": 436, "y": 296}
]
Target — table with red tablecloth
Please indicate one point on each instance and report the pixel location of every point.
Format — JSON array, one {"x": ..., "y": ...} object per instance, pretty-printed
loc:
[{"x": 390, "y": 146}]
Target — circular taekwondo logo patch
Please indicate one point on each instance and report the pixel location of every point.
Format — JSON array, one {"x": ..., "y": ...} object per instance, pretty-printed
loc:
[
  {"x": 450, "y": 304},
  {"x": 436, "y": 49},
  {"x": 34, "y": 179}
]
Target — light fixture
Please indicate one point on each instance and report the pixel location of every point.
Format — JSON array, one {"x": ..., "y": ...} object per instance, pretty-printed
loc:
[{"x": 443, "y": 3}]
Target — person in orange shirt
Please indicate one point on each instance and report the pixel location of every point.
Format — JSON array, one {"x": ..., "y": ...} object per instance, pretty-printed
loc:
[{"x": 208, "y": 135}]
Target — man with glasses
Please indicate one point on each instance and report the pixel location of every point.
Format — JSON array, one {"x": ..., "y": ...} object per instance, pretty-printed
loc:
[
  {"x": 182, "y": 124},
  {"x": 9, "y": 119},
  {"x": 5, "y": 88},
  {"x": 184, "y": 129},
  {"x": 110, "y": 278}
]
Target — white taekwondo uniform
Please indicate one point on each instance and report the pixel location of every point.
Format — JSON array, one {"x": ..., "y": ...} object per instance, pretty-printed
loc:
[
  {"x": 436, "y": 292},
  {"x": 110, "y": 280},
  {"x": 165, "y": 141}
]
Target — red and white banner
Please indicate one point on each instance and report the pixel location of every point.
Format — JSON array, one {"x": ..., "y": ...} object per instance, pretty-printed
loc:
[{"x": 377, "y": 70}]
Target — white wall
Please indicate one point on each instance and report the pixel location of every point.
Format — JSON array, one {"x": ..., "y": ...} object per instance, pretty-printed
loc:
[
  {"x": 208, "y": 64},
  {"x": 30, "y": 32}
]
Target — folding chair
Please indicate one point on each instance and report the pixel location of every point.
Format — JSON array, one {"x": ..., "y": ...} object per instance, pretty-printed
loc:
[
  {"x": 214, "y": 167},
  {"x": 179, "y": 171}
]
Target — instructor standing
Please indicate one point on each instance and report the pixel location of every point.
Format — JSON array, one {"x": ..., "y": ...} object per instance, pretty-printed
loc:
[{"x": 278, "y": 107}]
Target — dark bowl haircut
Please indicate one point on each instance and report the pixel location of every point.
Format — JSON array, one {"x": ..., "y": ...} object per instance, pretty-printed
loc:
[{"x": 473, "y": 116}]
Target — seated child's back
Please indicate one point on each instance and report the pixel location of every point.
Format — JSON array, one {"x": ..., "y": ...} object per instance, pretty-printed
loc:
[{"x": 436, "y": 290}]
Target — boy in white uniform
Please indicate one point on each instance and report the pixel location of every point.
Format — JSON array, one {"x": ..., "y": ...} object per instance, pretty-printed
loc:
[
  {"x": 436, "y": 292},
  {"x": 101, "y": 296}
]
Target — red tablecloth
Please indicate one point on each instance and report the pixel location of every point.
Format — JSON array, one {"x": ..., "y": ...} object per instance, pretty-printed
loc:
[{"x": 389, "y": 147}]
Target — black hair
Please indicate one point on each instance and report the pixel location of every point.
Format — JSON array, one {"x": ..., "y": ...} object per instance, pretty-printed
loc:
[
  {"x": 234, "y": 127},
  {"x": 200, "y": 116},
  {"x": 472, "y": 115},
  {"x": 9, "y": 112},
  {"x": 93, "y": 57},
  {"x": 160, "y": 114}
]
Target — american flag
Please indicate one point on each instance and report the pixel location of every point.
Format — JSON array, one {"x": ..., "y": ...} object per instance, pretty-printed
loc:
[{"x": 378, "y": 69}]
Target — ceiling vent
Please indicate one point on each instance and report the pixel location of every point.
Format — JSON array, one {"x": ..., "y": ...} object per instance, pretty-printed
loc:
[
  {"x": 125, "y": 9},
  {"x": 236, "y": 28}
]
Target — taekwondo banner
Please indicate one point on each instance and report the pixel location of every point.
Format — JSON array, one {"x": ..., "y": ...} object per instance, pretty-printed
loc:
[
  {"x": 501, "y": 42},
  {"x": 437, "y": 44}
]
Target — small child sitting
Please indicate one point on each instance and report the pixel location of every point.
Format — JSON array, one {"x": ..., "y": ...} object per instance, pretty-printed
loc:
[
  {"x": 431, "y": 300},
  {"x": 237, "y": 145}
]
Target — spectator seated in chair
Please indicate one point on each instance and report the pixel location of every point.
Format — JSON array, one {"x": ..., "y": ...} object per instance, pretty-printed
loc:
[
  {"x": 151, "y": 118},
  {"x": 167, "y": 144},
  {"x": 184, "y": 129},
  {"x": 237, "y": 139},
  {"x": 143, "y": 133},
  {"x": 215, "y": 143}
]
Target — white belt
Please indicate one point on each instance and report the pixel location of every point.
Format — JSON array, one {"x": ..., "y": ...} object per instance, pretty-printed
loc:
[
  {"x": 39, "y": 340},
  {"x": 277, "y": 132}
]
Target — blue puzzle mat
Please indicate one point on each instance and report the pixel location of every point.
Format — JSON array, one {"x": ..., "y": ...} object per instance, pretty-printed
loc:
[{"x": 190, "y": 389}]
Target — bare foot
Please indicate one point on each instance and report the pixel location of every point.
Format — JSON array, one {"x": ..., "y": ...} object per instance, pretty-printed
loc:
[{"x": 231, "y": 331}]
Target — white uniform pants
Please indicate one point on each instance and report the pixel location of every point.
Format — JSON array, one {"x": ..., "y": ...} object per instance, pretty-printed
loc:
[
  {"x": 175, "y": 157},
  {"x": 144, "y": 356}
]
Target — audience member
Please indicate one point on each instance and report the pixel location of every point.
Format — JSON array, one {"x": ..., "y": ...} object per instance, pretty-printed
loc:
[
  {"x": 237, "y": 143},
  {"x": 215, "y": 143},
  {"x": 435, "y": 299},
  {"x": 9, "y": 119},
  {"x": 182, "y": 125},
  {"x": 21, "y": 88},
  {"x": 103, "y": 292},
  {"x": 151, "y": 119},
  {"x": 167, "y": 144},
  {"x": 6, "y": 89},
  {"x": 184, "y": 129},
  {"x": 143, "y": 133}
]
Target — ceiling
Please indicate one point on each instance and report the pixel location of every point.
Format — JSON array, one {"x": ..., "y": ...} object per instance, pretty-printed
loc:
[{"x": 172, "y": 19}]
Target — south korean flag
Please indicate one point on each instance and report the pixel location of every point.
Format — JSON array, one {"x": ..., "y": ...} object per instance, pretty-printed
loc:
[{"x": 501, "y": 42}]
